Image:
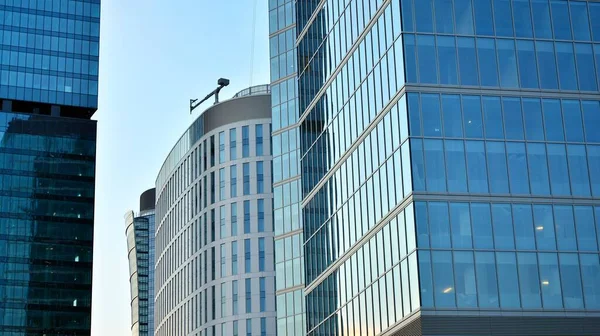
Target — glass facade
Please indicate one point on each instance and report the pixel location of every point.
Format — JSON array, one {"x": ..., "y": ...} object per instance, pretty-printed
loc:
[
  {"x": 48, "y": 92},
  {"x": 448, "y": 160}
]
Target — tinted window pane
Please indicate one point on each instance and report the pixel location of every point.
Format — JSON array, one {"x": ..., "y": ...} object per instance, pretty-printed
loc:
[
  {"x": 434, "y": 165},
  {"x": 438, "y": 225},
  {"x": 426, "y": 283},
  {"x": 427, "y": 59},
  {"x": 414, "y": 115},
  {"x": 503, "y": 18},
  {"x": 452, "y": 116},
  {"x": 541, "y": 19},
  {"x": 586, "y": 231},
  {"x": 553, "y": 120},
  {"x": 423, "y": 16},
  {"x": 559, "y": 172},
  {"x": 422, "y": 224},
  {"x": 463, "y": 12},
  {"x": 432, "y": 123},
  {"x": 482, "y": 225},
  {"x": 578, "y": 169},
  {"x": 444, "y": 284},
  {"x": 560, "y": 20},
  {"x": 522, "y": 15},
  {"x": 447, "y": 59},
  {"x": 529, "y": 280},
  {"x": 544, "y": 227},
  {"x": 517, "y": 168},
  {"x": 467, "y": 60},
  {"x": 455, "y": 165},
  {"x": 496, "y": 157},
  {"x": 527, "y": 64},
  {"x": 408, "y": 22},
  {"x": 410, "y": 58},
  {"x": 443, "y": 16},
  {"x": 566, "y": 66},
  {"x": 476, "y": 167},
  {"x": 513, "y": 118},
  {"x": 550, "y": 280},
  {"x": 565, "y": 228},
  {"x": 504, "y": 237},
  {"x": 466, "y": 288},
  {"x": 418, "y": 166},
  {"x": 590, "y": 274},
  {"x": 483, "y": 13},
  {"x": 460, "y": 220},
  {"x": 538, "y": 169},
  {"x": 547, "y": 63},
  {"x": 472, "y": 117},
  {"x": 523, "y": 222},
  {"x": 591, "y": 120},
  {"x": 507, "y": 63},
  {"x": 492, "y": 113},
  {"x": 486, "y": 50},
  {"x": 508, "y": 281},
  {"x": 571, "y": 280},
  {"x": 573, "y": 120},
  {"x": 585, "y": 67},
  {"x": 579, "y": 20},
  {"x": 485, "y": 266},
  {"x": 593, "y": 153}
]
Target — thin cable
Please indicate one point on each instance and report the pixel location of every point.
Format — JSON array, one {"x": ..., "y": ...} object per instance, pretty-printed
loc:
[{"x": 253, "y": 42}]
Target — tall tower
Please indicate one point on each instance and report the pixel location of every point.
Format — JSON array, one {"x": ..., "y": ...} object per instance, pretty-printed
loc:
[
  {"x": 450, "y": 165},
  {"x": 48, "y": 92}
]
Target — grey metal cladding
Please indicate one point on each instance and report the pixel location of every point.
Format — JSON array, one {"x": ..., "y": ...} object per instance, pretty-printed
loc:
[{"x": 236, "y": 110}]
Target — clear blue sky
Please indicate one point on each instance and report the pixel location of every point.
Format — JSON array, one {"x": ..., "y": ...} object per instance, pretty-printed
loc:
[{"x": 154, "y": 56}]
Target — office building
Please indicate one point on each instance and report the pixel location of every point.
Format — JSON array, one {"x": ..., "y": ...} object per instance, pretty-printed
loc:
[
  {"x": 287, "y": 218},
  {"x": 48, "y": 92},
  {"x": 140, "y": 252},
  {"x": 450, "y": 166},
  {"x": 215, "y": 272}
]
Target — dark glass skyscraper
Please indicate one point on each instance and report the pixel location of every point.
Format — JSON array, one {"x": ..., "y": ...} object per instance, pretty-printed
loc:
[
  {"x": 450, "y": 166},
  {"x": 48, "y": 92}
]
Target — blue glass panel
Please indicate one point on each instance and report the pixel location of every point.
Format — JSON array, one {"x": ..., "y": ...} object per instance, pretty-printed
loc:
[
  {"x": 408, "y": 22},
  {"x": 426, "y": 279},
  {"x": 544, "y": 227},
  {"x": 578, "y": 169},
  {"x": 590, "y": 274},
  {"x": 492, "y": 114},
  {"x": 434, "y": 165},
  {"x": 466, "y": 288},
  {"x": 430, "y": 111},
  {"x": 553, "y": 120},
  {"x": 503, "y": 18},
  {"x": 422, "y": 224},
  {"x": 566, "y": 66},
  {"x": 529, "y": 280},
  {"x": 594, "y": 9},
  {"x": 452, "y": 116},
  {"x": 472, "y": 116},
  {"x": 517, "y": 168},
  {"x": 410, "y": 58},
  {"x": 455, "y": 166},
  {"x": 541, "y": 19},
  {"x": 507, "y": 64},
  {"x": 487, "y": 287},
  {"x": 591, "y": 120},
  {"x": 597, "y": 57},
  {"x": 504, "y": 237},
  {"x": 423, "y": 16},
  {"x": 496, "y": 156},
  {"x": 523, "y": 222},
  {"x": 550, "y": 280},
  {"x": 585, "y": 67},
  {"x": 446, "y": 47},
  {"x": 559, "y": 172},
  {"x": 427, "y": 59},
  {"x": 579, "y": 20},
  {"x": 483, "y": 14},
  {"x": 565, "y": 228},
  {"x": 438, "y": 225},
  {"x": 467, "y": 61},
  {"x": 418, "y": 166},
  {"x": 444, "y": 284},
  {"x": 547, "y": 65},
  {"x": 486, "y": 51},
  {"x": 414, "y": 114},
  {"x": 573, "y": 120},
  {"x": 514, "y": 118},
  {"x": 463, "y": 12},
  {"x": 593, "y": 153},
  {"x": 538, "y": 169},
  {"x": 522, "y": 15},
  {"x": 560, "y": 20},
  {"x": 476, "y": 167},
  {"x": 571, "y": 280},
  {"x": 527, "y": 64},
  {"x": 444, "y": 17},
  {"x": 482, "y": 225},
  {"x": 508, "y": 281},
  {"x": 460, "y": 220},
  {"x": 586, "y": 231}
]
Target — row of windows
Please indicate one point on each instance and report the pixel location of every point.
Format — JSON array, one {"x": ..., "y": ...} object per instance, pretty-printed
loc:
[
  {"x": 49, "y": 24},
  {"x": 387, "y": 301},
  {"x": 55, "y": 7},
  {"x": 258, "y": 187},
  {"x": 286, "y": 194},
  {"x": 49, "y": 45},
  {"x": 509, "y": 280},
  {"x": 36, "y": 144},
  {"x": 503, "y": 168},
  {"x": 281, "y": 15},
  {"x": 286, "y": 160},
  {"x": 503, "y": 226},
  {"x": 233, "y": 152},
  {"x": 235, "y": 329},
  {"x": 290, "y": 314},
  {"x": 49, "y": 65},
  {"x": 546, "y": 19},
  {"x": 24, "y": 228},
  {"x": 51, "y": 83},
  {"x": 379, "y": 254},
  {"x": 229, "y": 257},
  {"x": 230, "y": 297},
  {"x": 48, "y": 96},
  {"x": 283, "y": 99},
  {"x": 501, "y": 63}
]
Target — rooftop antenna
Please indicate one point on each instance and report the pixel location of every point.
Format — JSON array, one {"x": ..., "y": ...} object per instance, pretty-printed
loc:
[{"x": 222, "y": 82}]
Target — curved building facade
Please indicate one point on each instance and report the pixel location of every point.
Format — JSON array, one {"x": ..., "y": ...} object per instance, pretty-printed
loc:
[
  {"x": 140, "y": 251},
  {"x": 214, "y": 237}
]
